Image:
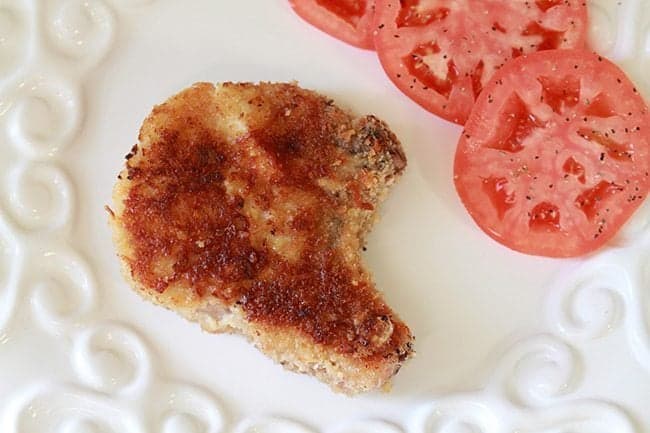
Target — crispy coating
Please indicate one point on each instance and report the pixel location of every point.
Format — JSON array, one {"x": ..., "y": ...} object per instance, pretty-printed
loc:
[{"x": 244, "y": 207}]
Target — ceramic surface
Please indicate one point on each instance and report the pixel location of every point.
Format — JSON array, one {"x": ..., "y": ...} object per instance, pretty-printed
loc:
[{"x": 506, "y": 342}]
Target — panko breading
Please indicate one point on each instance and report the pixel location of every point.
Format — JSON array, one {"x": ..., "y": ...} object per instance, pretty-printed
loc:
[{"x": 244, "y": 207}]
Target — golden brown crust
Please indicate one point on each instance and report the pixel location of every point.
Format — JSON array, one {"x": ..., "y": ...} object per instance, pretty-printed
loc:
[{"x": 244, "y": 207}]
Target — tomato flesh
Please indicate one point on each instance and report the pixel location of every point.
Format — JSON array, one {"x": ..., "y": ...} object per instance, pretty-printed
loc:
[
  {"x": 347, "y": 20},
  {"x": 441, "y": 53},
  {"x": 350, "y": 11},
  {"x": 555, "y": 155}
]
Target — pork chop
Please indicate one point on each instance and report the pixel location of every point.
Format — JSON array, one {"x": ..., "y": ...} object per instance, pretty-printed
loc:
[{"x": 244, "y": 207}]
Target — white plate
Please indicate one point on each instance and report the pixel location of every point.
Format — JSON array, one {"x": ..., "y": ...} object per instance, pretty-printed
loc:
[{"x": 505, "y": 342}]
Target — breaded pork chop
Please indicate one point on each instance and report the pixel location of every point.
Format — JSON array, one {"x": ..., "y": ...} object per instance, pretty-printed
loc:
[{"x": 244, "y": 207}]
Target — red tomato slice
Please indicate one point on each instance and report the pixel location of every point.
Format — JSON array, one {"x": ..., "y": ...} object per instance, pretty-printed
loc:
[
  {"x": 441, "y": 53},
  {"x": 555, "y": 155},
  {"x": 347, "y": 20}
]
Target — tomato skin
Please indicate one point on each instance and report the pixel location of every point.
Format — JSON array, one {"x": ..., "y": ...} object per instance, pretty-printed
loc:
[
  {"x": 347, "y": 20},
  {"x": 441, "y": 56},
  {"x": 555, "y": 156}
]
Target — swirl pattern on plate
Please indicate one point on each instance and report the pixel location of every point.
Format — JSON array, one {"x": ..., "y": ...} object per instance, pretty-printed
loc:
[
  {"x": 41, "y": 196},
  {"x": 111, "y": 359},
  {"x": 63, "y": 289},
  {"x": 607, "y": 293},
  {"x": 45, "y": 115},
  {"x": 529, "y": 392},
  {"x": 620, "y": 31},
  {"x": 14, "y": 38},
  {"x": 592, "y": 303},
  {"x": 41, "y": 113},
  {"x": 119, "y": 392},
  {"x": 81, "y": 29},
  {"x": 10, "y": 257}
]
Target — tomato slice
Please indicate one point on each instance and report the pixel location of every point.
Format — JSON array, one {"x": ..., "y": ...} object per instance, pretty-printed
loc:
[
  {"x": 441, "y": 53},
  {"x": 348, "y": 20},
  {"x": 555, "y": 155}
]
